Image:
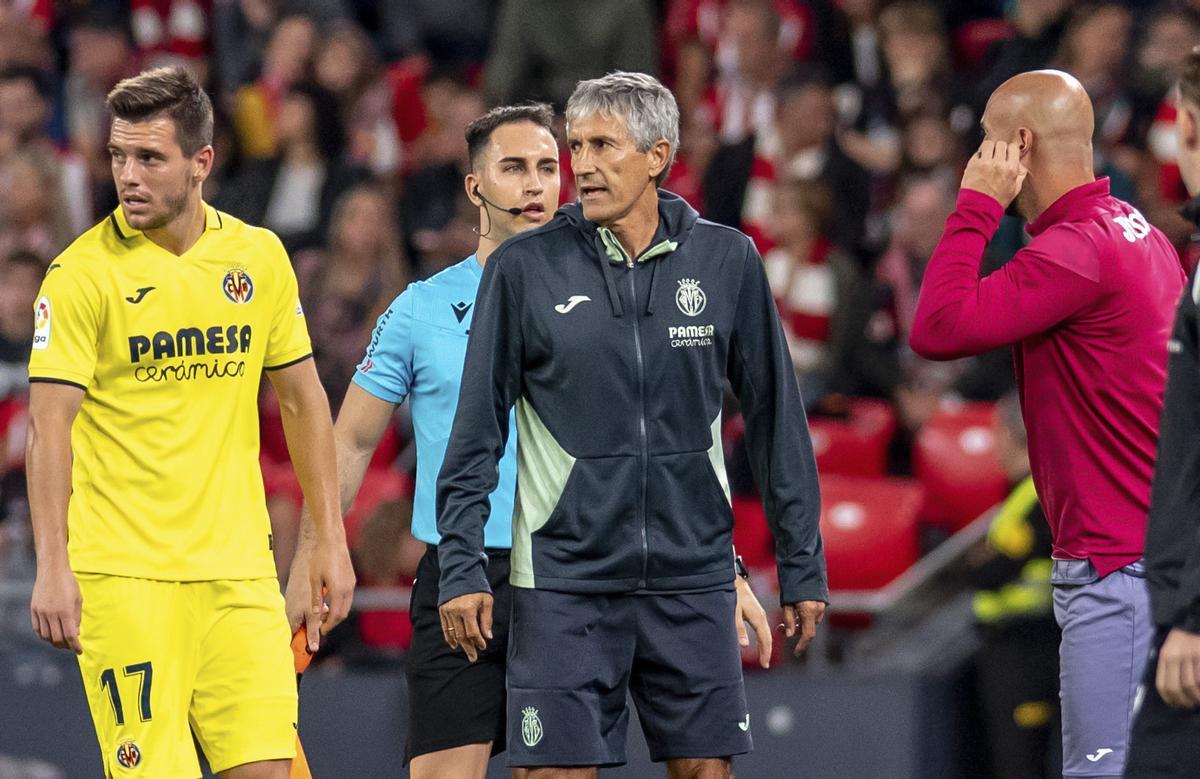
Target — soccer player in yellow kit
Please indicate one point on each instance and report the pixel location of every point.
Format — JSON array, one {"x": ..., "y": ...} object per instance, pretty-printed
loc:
[{"x": 153, "y": 331}]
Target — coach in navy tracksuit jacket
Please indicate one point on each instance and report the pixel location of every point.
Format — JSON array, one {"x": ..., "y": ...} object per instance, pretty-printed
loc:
[{"x": 616, "y": 366}]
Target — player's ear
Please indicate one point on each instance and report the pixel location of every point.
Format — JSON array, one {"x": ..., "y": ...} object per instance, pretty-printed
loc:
[
  {"x": 471, "y": 185},
  {"x": 202, "y": 162}
]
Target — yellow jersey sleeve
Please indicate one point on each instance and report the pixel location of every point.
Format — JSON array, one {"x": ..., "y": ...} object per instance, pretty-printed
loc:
[
  {"x": 66, "y": 327},
  {"x": 288, "y": 341}
]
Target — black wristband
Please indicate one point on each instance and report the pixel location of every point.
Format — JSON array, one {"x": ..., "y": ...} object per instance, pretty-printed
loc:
[{"x": 739, "y": 567}]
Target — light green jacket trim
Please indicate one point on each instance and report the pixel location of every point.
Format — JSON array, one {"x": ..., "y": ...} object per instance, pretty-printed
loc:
[{"x": 543, "y": 468}]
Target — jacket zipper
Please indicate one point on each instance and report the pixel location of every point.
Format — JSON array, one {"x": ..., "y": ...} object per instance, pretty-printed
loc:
[{"x": 645, "y": 453}]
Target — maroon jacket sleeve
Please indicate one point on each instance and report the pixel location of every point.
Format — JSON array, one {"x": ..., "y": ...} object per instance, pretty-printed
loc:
[{"x": 959, "y": 314}]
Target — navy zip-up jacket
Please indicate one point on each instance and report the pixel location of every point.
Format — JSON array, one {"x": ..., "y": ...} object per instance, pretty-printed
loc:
[
  {"x": 1173, "y": 531},
  {"x": 616, "y": 367}
]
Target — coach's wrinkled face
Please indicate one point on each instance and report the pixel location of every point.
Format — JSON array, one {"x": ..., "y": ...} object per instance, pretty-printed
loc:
[
  {"x": 153, "y": 176},
  {"x": 611, "y": 175}
]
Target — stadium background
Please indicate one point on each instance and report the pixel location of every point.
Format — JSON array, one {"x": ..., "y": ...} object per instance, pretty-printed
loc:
[{"x": 831, "y": 131}]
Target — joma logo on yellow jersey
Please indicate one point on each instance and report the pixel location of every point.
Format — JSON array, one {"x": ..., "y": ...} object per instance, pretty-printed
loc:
[{"x": 190, "y": 342}]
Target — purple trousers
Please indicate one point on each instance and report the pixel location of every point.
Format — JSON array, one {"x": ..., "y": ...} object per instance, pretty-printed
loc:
[{"x": 1106, "y": 636}]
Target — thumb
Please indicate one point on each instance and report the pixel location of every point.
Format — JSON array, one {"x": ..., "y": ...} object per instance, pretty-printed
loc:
[{"x": 743, "y": 636}]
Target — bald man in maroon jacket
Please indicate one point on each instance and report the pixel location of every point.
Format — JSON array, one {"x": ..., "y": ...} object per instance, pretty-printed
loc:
[{"x": 1087, "y": 306}]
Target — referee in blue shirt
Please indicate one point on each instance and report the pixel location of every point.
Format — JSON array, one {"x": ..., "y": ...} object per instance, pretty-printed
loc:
[{"x": 457, "y": 700}]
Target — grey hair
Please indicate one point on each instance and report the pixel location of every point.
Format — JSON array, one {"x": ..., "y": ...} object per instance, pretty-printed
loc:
[{"x": 648, "y": 108}]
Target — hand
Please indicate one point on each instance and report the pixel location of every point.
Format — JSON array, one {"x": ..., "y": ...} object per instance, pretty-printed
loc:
[
  {"x": 1178, "y": 675},
  {"x": 467, "y": 621},
  {"x": 750, "y": 612},
  {"x": 996, "y": 171},
  {"x": 56, "y": 607},
  {"x": 330, "y": 574},
  {"x": 806, "y": 615},
  {"x": 296, "y": 597}
]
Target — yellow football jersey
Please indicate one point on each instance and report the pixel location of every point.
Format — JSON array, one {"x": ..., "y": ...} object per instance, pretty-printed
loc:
[{"x": 170, "y": 351}]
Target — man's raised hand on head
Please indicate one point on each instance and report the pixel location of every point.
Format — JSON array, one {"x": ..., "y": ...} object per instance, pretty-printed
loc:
[{"x": 995, "y": 170}]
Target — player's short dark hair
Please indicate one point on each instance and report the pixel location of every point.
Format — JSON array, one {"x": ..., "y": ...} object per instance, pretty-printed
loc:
[
  {"x": 170, "y": 92},
  {"x": 479, "y": 132},
  {"x": 1189, "y": 79}
]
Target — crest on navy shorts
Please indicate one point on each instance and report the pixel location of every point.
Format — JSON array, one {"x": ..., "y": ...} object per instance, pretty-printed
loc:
[
  {"x": 128, "y": 754},
  {"x": 689, "y": 297},
  {"x": 531, "y": 726},
  {"x": 237, "y": 286}
]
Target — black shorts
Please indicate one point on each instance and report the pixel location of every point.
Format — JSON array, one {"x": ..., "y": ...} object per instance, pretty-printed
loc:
[
  {"x": 572, "y": 658},
  {"x": 453, "y": 702},
  {"x": 1165, "y": 741}
]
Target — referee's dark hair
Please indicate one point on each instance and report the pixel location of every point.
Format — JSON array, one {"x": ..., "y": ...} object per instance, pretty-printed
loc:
[
  {"x": 171, "y": 92},
  {"x": 1189, "y": 80},
  {"x": 479, "y": 132}
]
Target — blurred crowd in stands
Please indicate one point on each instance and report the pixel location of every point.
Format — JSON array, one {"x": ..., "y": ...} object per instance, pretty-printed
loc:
[{"x": 831, "y": 131}]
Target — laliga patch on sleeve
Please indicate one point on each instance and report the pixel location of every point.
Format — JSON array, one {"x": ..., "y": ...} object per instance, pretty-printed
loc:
[{"x": 41, "y": 323}]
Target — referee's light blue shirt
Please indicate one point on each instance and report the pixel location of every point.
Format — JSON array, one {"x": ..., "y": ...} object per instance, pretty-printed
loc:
[{"x": 417, "y": 352}]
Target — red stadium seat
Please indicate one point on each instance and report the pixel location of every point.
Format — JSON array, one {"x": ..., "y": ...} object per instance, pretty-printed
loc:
[
  {"x": 869, "y": 527},
  {"x": 954, "y": 458},
  {"x": 858, "y": 444},
  {"x": 751, "y": 534},
  {"x": 14, "y": 417}
]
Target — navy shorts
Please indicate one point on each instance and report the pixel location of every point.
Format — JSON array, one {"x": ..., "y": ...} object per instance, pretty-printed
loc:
[{"x": 572, "y": 658}]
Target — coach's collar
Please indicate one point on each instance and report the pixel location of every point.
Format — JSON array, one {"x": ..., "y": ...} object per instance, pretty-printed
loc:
[
  {"x": 212, "y": 221},
  {"x": 1070, "y": 204}
]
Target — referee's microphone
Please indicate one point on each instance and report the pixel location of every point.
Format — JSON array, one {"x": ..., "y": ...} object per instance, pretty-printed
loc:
[{"x": 513, "y": 211}]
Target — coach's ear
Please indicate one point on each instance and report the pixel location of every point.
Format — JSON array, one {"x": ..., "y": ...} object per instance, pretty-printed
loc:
[{"x": 1024, "y": 141}]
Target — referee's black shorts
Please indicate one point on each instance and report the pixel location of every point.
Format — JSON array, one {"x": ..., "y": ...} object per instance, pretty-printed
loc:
[
  {"x": 453, "y": 702},
  {"x": 1165, "y": 743}
]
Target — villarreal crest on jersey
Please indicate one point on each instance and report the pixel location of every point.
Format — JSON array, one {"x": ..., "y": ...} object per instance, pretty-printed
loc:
[{"x": 170, "y": 352}]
